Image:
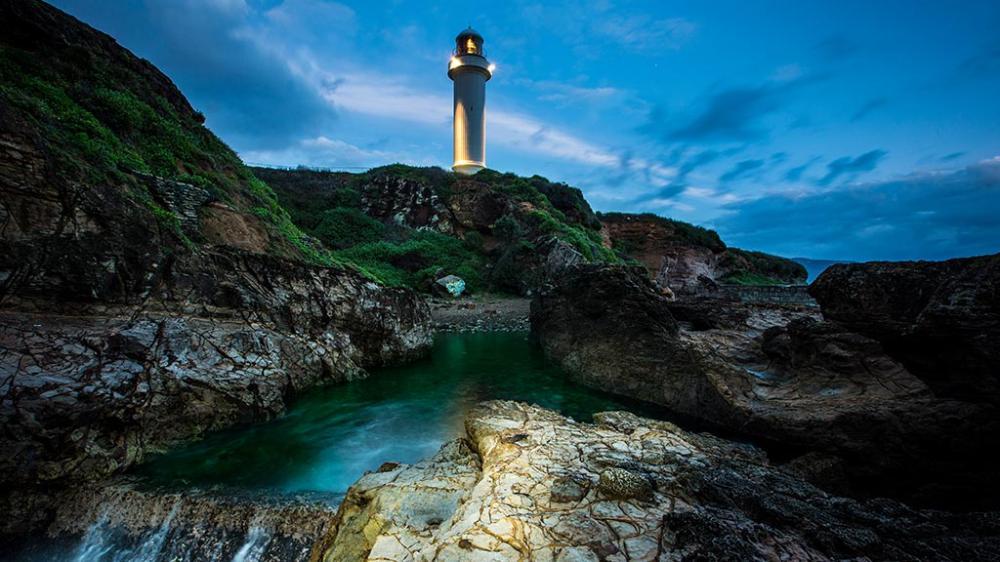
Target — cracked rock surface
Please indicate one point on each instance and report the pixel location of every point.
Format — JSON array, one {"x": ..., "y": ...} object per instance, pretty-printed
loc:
[
  {"x": 89, "y": 389},
  {"x": 529, "y": 484}
]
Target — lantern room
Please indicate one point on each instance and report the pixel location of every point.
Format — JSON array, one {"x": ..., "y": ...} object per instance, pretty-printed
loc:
[{"x": 469, "y": 42}]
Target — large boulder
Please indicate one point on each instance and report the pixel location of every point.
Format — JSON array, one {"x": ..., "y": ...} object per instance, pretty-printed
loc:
[
  {"x": 540, "y": 486},
  {"x": 940, "y": 319},
  {"x": 807, "y": 386}
]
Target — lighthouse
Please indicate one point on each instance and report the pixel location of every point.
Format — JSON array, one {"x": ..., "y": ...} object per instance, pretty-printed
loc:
[{"x": 469, "y": 70}]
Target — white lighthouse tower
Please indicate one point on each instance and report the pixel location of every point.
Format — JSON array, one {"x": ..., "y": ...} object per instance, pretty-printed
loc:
[{"x": 469, "y": 70}]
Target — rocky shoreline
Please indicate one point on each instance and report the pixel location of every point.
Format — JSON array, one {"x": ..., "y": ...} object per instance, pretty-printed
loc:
[
  {"x": 781, "y": 375},
  {"x": 489, "y": 313},
  {"x": 527, "y": 483}
]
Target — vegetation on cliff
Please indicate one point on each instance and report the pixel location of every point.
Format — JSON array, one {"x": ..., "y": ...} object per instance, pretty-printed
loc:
[
  {"x": 408, "y": 225},
  {"x": 734, "y": 266},
  {"x": 104, "y": 118}
]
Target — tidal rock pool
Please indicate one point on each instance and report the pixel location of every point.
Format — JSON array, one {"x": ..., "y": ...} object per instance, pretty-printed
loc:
[
  {"x": 292, "y": 472},
  {"x": 333, "y": 435}
]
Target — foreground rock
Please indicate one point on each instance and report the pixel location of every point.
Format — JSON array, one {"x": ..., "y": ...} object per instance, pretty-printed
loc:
[
  {"x": 772, "y": 373},
  {"x": 940, "y": 319},
  {"x": 529, "y": 484}
]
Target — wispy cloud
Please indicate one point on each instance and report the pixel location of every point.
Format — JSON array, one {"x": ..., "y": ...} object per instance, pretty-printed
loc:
[
  {"x": 851, "y": 167},
  {"x": 984, "y": 63},
  {"x": 323, "y": 151},
  {"x": 742, "y": 169},
  {"x": 794, "y": 174},
  {"x": 868, "y": 107},
  {"x": 590, "y": 27},
  {"x": 642, "y": 33},
  {"x": 836, "y": 48},
  {"x": 732, "y": 114}
]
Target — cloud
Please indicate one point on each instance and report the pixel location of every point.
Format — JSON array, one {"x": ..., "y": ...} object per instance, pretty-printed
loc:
[
  {"x": 929, "y": 215},
  {"x": 852, "y": 166},
  {"x": 641, "y": 33},
  {"x": 733, "y": 114},
  {"x": 795, "y": 174},
  {"x": 985, "y": 63},
  {"x": 836, "y": 48},
  {"x": 868, "y": 107},
  {"x": 741, "y": 170},
  {"x": 591, "y": 28},
  {"x": 568, "y": 93},
  {"x": 324, "y": 152}
]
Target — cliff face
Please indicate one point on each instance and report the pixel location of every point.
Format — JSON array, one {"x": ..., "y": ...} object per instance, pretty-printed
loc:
[
  {"x": 152, "y": 287},
  {"x": 689, "y": 259}
]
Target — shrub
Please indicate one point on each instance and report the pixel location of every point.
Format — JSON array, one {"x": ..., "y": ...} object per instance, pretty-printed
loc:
[{"x": 342, "y": 227}]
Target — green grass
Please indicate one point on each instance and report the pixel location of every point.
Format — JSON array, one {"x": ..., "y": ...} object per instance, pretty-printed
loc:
[
  {"x": 416, "y": 261},
  {"x": 103, "y": 120}
]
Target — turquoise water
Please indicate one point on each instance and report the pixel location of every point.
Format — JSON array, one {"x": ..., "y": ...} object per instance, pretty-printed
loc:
[{"x": 333, "y": 435}]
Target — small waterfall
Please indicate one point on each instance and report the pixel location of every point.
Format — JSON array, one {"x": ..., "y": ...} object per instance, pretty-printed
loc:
[
  {"x": 95, "y": 542},
  {"x": 100, "y": 543},
  {"x": 119, "y": 523},
  {"x": 254, "y": 547}
]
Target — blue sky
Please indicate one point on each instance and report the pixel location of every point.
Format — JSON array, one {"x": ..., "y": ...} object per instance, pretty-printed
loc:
[{"x": 837, "y": 130}]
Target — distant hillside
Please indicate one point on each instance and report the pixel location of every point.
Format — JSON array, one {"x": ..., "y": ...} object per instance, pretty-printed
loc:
[
  {"x": 501, "y": 232},
  {"x": 689, "y": 258}
]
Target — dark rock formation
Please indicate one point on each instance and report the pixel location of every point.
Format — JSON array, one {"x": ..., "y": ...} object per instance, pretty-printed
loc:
[
  {"x": 807, "y": 386},
  {"x": 226, "y": 338},
  {"x": 940, "y": 319}
]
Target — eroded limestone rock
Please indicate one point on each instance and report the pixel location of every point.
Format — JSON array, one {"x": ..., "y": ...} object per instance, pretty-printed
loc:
[{"x": 541, "y": 497}]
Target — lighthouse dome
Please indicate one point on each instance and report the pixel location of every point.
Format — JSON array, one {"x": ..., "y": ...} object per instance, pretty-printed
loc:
[{"x": 469, "y": 42}]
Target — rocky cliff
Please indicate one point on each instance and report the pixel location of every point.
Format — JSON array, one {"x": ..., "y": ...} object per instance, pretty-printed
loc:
[
  {"x": 689, "y": 259},
  {"x": 152, "y": 288},
  {"x": 773, "y": 373}
]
